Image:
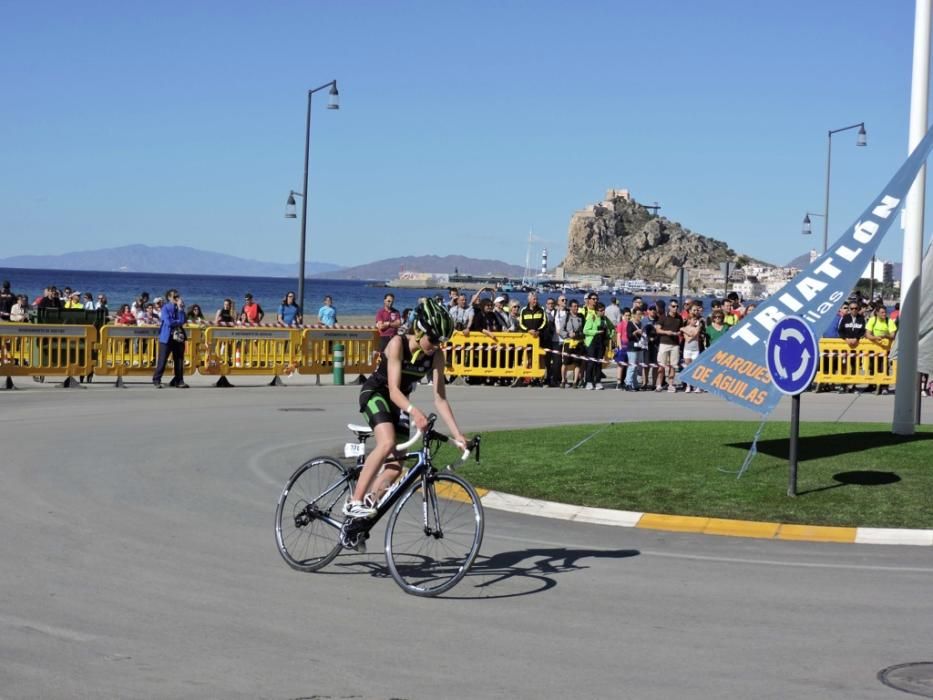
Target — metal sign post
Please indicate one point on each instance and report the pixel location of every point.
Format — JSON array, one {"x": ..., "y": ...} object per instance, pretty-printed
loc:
[
  {"x": 726, "y": 269},
  {"x": 792, "y": 358},
  {"x": 681, "y": 283}
]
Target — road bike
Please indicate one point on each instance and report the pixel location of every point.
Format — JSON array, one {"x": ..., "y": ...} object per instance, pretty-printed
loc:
[{"x": 435, "y": 525}]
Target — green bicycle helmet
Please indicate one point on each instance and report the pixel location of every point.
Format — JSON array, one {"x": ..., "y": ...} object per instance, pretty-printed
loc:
[{"x": 433, "y": 319}]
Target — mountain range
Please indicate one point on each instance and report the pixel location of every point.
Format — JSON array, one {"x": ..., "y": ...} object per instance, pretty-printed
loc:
[
  {"x": 180, "y": 260},
  {"x": 448, "y": 264},
  {"x": 183, "y": 260}
]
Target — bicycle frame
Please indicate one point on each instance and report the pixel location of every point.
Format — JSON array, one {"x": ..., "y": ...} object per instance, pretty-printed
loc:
[{"x": 422, "y": 469}]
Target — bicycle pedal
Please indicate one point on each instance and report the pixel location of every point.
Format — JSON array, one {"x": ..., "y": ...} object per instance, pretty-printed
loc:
[{"x": 353, "y": 540}]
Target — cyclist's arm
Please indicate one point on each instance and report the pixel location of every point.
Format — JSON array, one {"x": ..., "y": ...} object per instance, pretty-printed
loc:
[
  {"x": 393, "y": 356},
  {"x": 440, "y": 398}
]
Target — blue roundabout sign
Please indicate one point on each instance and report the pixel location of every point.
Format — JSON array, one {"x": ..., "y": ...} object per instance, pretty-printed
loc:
[{"x": 792, "y": 355}]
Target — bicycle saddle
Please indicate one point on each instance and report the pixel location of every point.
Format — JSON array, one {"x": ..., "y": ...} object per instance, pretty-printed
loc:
[{"x": 361, "y": 431}]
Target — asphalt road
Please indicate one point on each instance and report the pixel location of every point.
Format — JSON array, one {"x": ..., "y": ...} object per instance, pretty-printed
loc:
[{"x": 138, "y": 561}]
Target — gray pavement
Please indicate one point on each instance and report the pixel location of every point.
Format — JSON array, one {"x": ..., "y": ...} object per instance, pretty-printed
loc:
[{"x": 139, "y": 562}]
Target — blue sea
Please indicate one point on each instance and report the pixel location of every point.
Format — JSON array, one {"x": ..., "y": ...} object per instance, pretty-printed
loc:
[{"x": 351, "y": 297}]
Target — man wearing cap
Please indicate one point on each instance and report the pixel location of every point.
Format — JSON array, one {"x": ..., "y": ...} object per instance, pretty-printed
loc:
[
  {"x": 251, "y": 312},
  {"x": 74, "y": 301},
  {"x": 498, "y": 306}
]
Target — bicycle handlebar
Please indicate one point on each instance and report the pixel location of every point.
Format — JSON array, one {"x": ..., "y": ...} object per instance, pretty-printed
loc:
[
  {"x": 432, "y": 434},
  {"x": 411, "y": 441}
]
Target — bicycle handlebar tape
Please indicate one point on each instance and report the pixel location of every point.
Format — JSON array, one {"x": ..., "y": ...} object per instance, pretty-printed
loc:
[{"x": 338, "y": 364}]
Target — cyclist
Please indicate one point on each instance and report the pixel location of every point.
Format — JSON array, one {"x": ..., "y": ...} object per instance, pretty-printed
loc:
[{"x": 384, "y": 396}]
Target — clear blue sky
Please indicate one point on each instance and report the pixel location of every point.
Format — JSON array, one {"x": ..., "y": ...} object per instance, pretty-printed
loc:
[{"x": 462, "y": 125}]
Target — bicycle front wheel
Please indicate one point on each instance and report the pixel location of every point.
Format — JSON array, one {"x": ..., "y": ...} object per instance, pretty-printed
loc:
[
  {"x": 308, "y": 516},
  {"x": 434, "y": 534}
]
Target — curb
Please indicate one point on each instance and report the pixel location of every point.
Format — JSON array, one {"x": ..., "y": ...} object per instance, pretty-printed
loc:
[{"x": 703, "y": 525}]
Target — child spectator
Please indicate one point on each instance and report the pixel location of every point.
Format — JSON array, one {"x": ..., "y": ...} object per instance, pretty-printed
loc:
[
  {"x": 327, "y": 314},
  {"x": 19, "y": 312}
]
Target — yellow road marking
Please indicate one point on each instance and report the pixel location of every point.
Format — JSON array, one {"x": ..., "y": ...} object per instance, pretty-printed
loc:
[
  {"x": 454, "y": 492},
  {"x": 816, "y": 533},
  {"x": 741, "y": 528},
  {"x": 677, "y": 523}
]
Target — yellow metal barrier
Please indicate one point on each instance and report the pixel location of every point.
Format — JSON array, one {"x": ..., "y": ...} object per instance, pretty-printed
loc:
[
  {"x": 867, "y": 363},
  {"x": 38, "y": 350},
  {"x": 231, "y": 351},
  {"x": 359, "y": 350},
  {"x": 134, "y": 350},
  {"x": 509, "y": 355}
]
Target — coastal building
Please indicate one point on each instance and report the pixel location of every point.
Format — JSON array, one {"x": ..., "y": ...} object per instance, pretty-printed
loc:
[{"x": 882, "y": 271}]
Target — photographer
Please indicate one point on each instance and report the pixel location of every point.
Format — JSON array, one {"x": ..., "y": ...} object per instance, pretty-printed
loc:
[
  {"x": 462, "y": 314},
  {"x": 172, "y": 338}
]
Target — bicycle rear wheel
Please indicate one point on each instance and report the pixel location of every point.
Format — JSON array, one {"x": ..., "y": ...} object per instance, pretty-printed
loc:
[
  {"x": 308, "y": 515},
  {"x": 434, "y": 535}
]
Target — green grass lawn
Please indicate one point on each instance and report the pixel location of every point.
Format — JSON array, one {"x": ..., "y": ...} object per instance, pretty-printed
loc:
[{"x": 849, "y": 473}]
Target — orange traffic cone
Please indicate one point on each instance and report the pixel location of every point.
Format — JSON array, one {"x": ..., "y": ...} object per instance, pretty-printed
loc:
[{"x": 237, "y": 361}]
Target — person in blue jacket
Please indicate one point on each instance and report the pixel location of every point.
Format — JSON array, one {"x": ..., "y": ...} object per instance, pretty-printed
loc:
[{"x": 172, "y": 339}]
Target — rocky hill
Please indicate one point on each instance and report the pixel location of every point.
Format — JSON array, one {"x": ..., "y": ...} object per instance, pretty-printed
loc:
[{"x": 621, "y": 238}]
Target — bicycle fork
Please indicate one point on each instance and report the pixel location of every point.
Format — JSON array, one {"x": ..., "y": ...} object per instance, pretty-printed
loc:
[{"x": 429, "y": 508}]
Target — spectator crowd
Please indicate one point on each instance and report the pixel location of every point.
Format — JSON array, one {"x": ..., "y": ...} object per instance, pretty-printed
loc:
[{"x": 586, "y": 342}]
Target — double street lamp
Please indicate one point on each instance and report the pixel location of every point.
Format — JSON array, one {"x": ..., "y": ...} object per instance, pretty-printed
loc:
[
  {"x": 333, "y": 103},
  {"x": 861, "y": 140}
]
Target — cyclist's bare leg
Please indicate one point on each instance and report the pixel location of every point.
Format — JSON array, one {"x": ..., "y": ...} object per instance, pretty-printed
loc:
[
  {"x": 385, "y": 446},
  {"x": 385, "y": 479}
]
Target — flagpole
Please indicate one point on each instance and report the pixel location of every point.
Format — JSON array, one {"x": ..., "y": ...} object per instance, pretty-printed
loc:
[{"x": 908, "y": 335}]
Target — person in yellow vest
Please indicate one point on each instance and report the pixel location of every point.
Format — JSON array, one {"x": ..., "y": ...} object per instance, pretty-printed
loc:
[
  {"x": 74, "y": 301},
  {"x": 881, "y": 328},
  {"x": 730, "y": 318}
]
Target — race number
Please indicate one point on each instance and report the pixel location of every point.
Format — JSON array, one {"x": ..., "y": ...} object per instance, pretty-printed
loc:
[{"x": 354, "y": 449}]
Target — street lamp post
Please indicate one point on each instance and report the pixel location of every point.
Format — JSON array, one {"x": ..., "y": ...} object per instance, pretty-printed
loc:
[
  {"x": 807, "y": 228},
  {"x": 861, "y": 140},
  {"x": 334, "y": 103}
]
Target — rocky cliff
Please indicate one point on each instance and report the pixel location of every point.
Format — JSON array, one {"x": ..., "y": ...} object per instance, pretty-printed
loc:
[{"x": 621, "y": 238}]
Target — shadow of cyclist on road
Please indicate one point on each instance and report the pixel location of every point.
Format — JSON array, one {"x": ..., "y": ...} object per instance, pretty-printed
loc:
[{"x": 500, "y": 574}]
